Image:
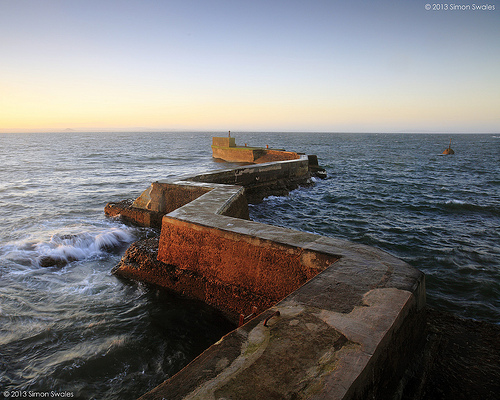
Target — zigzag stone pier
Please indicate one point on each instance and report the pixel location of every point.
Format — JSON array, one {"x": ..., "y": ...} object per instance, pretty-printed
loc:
[{"x": 325, "y": 318}]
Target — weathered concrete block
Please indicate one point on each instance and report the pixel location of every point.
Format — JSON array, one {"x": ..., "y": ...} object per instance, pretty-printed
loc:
[
  {"x": 224, "y": 141},
  {"x": 129, "y": 213},
  {"x": 225, "y": 148},
  {"x": 261, "y": 266}
]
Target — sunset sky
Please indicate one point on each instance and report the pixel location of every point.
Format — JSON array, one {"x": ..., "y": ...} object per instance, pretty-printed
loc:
[{"x": 272, "y": 65}]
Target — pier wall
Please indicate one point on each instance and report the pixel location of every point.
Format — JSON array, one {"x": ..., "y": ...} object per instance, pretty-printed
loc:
[
  {"x": 258, "y": 180},
  {"x": 334, "y": 319},
  {"x": 226, "y": 149}
]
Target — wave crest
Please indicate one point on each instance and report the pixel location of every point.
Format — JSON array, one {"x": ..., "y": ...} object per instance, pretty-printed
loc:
[{"x": 63, "y": 248}]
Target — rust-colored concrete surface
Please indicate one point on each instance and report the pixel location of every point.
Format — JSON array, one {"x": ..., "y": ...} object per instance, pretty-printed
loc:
[
  {"x": 238, "y": 154},
  {"x": 125, "y": 210},
  {"x": 224, "y": 141},
  {"x": 140, "y": 263},
  {"x": 277, "y": 155},
  {"x": 225, "y": 148},
  {"x": 261, "y": 266}
]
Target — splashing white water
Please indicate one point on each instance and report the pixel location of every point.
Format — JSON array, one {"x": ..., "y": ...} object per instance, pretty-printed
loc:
[{"x": 63, "y": 248}]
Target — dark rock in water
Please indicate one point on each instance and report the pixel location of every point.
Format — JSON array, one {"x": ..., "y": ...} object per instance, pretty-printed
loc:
[
  {"x": 141, "y": 253},
  {"x": 68, "y": 236},
  {"x": 319, "y": 172},
  {"x": 314, "y": 168},
  {"x": 51, "y": 261}
]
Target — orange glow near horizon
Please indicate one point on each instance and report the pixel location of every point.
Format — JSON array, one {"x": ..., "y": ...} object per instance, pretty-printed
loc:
[
  {"x": 352, "y": 66},
  {"x": 115, "y": 111}
]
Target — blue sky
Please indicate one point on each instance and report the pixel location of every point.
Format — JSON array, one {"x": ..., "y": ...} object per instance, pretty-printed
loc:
[{"x": 371, "y": 66}]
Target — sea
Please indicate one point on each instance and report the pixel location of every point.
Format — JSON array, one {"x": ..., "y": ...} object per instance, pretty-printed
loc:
[{"x": 72, "y": 329}]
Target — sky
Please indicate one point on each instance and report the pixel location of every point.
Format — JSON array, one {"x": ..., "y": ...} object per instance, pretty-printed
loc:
[{"x": 272, "y": 65}]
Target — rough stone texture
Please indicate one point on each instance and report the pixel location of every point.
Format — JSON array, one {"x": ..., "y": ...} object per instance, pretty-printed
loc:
[
  {"x": 261, "y": 266},
  {"x": 303, "y": 372},
  {"x": 138, "y": 216},
  {"x": 238, "y": 154},
  {"x": 224, "y": 141},
  {"x": 303, "y": 354},
  {"x": 164, "y": 197},
  {"x": 277, "y": 155},
  {"x": 140, "y": 263},
  {"x": 264, "y": 180},
  {"x": 225, "y": 149},
  {"x": 248, "y": 175}
]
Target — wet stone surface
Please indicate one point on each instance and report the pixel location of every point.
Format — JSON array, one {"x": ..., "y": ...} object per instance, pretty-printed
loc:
[{"x": 285, "y": 370}]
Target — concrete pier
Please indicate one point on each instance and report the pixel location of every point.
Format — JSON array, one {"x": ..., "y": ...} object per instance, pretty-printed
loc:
[
  {"x": 332, "y": 319},
  {"x": 226, "y": 149}
]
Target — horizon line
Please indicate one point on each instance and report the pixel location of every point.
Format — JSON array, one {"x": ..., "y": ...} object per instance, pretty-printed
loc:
[{"x": 174, "y": 130}]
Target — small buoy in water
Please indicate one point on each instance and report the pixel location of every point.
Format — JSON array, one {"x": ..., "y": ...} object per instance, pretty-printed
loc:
[{"x": 449, "y": 150}]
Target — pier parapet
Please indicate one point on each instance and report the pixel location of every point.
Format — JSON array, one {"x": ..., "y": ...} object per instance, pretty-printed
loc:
[
  {"x": 330, "y": 319},
  {"x": 225, "y": 148}
]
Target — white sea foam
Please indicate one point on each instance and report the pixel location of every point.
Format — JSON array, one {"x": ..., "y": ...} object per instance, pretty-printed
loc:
[
  {"x": 457, "y": 202},
  {"x": 62, "y": 248},
  {"x": 275, "y": 199}
]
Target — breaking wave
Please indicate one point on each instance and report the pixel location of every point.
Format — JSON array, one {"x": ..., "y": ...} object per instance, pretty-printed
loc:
[
  {"x": 455, "y": 205},
  {"x": 63, "y": 248}
]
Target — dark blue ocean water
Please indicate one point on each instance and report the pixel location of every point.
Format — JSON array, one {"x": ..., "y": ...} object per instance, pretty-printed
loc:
[{"x": 77, "y": 328}]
